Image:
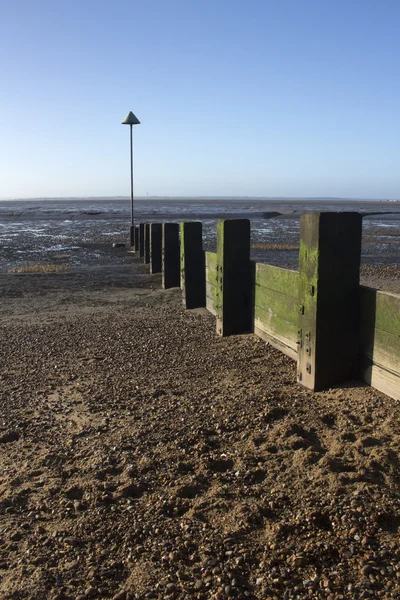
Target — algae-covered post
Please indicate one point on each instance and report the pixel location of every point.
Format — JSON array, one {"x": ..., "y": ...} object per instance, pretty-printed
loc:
[
  {"x": 329, "y": 270},
  {"x": 146, "y": 257},
  {"x": 234, "y": 286},
  {"x": 170, "y": 256},
  {"x": 155, "y": 247},
  {"x": 193, "y": 270}
]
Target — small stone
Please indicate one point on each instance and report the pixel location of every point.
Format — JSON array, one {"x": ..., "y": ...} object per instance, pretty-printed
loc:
[
  {"x": 91, "y": 591},
  {"x": 198, "y": 584},
  {"x": 120, "y": 596},
  {"x": 367, "y": 570}
]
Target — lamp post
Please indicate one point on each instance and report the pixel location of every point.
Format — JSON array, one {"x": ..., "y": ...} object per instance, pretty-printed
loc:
[{"x": 130, "y": 120}]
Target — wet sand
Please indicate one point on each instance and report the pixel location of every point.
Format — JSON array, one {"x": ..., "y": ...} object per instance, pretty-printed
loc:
[{"x": 141, "y": 456}]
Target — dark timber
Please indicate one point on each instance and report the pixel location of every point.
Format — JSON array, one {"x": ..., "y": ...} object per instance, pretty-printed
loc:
[
  {"x": 141, "y": 240},
  {"x": 329, "y": 269},
  {"x": 146, "y": 257},
  {"x": 155, "y": 247},
  {"x": 170, "y": 256},
  {"x": 136, "y": 240},
  {"x": 193, "y": 269},
  {"x": 132, "y": 236},
  {"x": 234, "y": 291}
]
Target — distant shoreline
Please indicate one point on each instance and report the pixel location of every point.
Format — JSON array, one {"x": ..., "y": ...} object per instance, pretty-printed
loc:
[{"x": 189, "y": 199}]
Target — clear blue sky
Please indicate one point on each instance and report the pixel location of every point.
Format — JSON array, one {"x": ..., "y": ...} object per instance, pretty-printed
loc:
[{"x": 249, "y": 97}]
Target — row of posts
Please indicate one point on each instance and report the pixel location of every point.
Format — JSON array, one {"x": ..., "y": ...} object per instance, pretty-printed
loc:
[{"x": 329, "y": 266}]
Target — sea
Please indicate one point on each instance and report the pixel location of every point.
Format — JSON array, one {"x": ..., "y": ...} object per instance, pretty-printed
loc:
[{"x": 39, "y": 229}]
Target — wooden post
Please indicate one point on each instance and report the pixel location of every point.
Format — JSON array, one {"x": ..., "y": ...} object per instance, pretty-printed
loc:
[
  {"x": 234, "y": 291},
  {"x": 329, "y": 270},
  {"x": 132, "y": 237},
  {"x": 193, "y": 269},
  {"x": 141, "y": 240},
  {"x": 146, "y": 256},
  {"x": 136, "y": 240},
  {"x": 155, "y": 247},
  {"x": 170, "y": 256}
]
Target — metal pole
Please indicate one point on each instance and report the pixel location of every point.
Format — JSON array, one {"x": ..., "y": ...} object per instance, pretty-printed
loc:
[{"x": 131, "y": 178}]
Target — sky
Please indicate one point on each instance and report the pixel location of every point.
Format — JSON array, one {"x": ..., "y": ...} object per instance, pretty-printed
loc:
[{"x": 265, "y": 98}]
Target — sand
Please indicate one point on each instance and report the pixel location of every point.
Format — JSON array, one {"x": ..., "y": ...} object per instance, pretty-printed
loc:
[{"x": 141, "y": 456}]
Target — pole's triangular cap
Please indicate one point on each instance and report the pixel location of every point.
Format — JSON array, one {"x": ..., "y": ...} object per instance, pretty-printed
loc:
[{"x": 130, "y": 119}]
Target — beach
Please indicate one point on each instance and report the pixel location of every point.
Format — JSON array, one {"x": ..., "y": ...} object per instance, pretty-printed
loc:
[{"x": 142, "y": 456}]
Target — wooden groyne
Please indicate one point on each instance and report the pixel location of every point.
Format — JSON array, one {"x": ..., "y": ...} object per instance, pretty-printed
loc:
[{"x": 320, "y": 316}]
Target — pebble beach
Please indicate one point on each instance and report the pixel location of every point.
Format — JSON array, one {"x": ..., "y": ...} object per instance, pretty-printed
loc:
[{"x": 142, "y": 456}]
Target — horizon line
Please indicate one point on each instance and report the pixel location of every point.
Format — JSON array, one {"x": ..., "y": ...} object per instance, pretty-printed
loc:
[{"x": 219, "y": 197}]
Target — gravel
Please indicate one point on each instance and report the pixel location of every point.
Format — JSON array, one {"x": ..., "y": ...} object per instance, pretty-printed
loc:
[{"x": 144, "y": 457}]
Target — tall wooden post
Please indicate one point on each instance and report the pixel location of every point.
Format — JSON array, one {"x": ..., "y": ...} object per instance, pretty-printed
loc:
[
  {"x": 146, "y": 256},
  {"x": 234, "y": 291},
  {"x": 141, "y": 240},
  {"x": 193, "y": 268},
  {"x": 170, "y": 256},
  {"x": 329, "y": 269},
  {"x": 155, "y": 247}
]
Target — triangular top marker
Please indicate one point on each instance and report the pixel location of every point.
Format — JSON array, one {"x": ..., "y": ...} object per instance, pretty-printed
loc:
[{"x": 130, "y": 119}]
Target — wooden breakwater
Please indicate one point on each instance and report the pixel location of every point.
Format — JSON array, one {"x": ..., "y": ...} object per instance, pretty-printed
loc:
[{"x": 320, "y": 316}]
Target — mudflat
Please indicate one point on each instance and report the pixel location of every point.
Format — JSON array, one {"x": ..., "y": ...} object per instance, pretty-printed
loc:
[{"x": 141, "y": 456}]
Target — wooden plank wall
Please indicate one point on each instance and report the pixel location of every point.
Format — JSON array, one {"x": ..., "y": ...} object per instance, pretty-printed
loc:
[
  {"x": 211, "y": 282},
  {"x": 276, "y": 307},
  {"x": 380, "y": 340}
]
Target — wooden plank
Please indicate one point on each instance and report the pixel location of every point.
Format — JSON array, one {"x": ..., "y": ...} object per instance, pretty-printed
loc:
[
  {"x": 280, "y": 305},
  {"x": 284, "y": 281},
  {"x": 380, "y": 310},
  {"x": 382, "y": 379},
  {"x": 211, "y": 260},
  {"x": 277, "y": 327},
  {"x": 278, "y": 343},
  {"x": 381, "y": 348},
  {"x": 380, "y": 340},
  {"x": 211, "y": 276},
  {"x": 211, "y": 290},
  {"x": 210, "y": 306}
]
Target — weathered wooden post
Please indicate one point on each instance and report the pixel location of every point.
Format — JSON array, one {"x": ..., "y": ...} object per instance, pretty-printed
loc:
[
  {"x": 155, "y": 247},
  {"x": 170, "y": 256},
  {"x": 234, "y": 291},
  {"x": 329, "y": 270},
  {"x": 136, "y": 240},
  {"x": 141, "y": 240},
  {"x": 146, "y": 256},
  {"x": 193, "y": 268}
]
